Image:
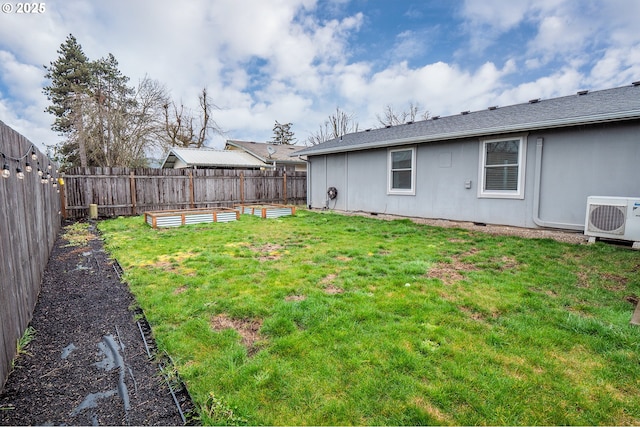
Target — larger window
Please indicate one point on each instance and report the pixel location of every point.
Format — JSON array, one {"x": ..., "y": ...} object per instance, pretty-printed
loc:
[
  {"x": 402, "y": 171},
  {"x": 502, "y": 168}
]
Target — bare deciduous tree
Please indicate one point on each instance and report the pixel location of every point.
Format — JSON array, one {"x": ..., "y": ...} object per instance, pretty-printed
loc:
[
  {"x": 116, "y": 131},
  {"x": 337, "y": 124},
  {"x": 106, "y": 122},
  {"x": 146, "y": 122},
  {"x": 393, "y": 118},
  {"x": 180, "y": 124}
]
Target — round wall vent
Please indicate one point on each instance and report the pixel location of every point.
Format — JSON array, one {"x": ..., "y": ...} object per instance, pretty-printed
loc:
[{"x": 607, "y": 218}]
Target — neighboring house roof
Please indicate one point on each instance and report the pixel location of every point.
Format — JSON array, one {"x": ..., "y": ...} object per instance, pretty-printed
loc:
[
  {"x": 268, "y": 153},
  {"x": 584, "y": 108},
  {"x": 209, "y": 158}
]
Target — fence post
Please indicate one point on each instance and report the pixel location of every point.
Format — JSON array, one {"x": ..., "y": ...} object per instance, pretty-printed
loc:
[
  {"x": 132, "y": 187},
  {"x": 242, "y": 188},
  {"x": 284, "y": 184},
  {"x": 63, "y": 198},
  {"x": 191, "y": 191}
]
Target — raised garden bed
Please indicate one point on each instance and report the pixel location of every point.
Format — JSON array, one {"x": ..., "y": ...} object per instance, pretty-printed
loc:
[
  {"x": 266, "y": 210},
  {"x": 158, "y": 219}
]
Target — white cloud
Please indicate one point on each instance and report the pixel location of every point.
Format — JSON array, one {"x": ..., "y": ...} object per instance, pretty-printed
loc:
[
  {"x": 440, "y": 88},
  {"x": 20, "y": 78},
  {"x": 563, "y": 82},
  {"x": 618, "y": 66},
  {"x": 410, "y": 44},
  {"x": 290, "y": 60},
  {"x": 498, "y": 15}
]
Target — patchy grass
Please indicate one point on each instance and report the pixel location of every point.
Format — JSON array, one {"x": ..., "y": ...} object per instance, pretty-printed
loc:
[
  {"x": 22, "y": 343},
  {"x": 331, "y": 320},
  {"x": 78, "y": 234}
]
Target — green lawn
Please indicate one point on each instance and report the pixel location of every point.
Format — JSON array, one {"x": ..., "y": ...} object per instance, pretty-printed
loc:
[{"x": 327, "y": 319}]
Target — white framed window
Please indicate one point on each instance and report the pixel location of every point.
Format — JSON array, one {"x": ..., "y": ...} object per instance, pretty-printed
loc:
[
  {"x": 502, "y": 167},
  {"x": 402, "y": 171}
]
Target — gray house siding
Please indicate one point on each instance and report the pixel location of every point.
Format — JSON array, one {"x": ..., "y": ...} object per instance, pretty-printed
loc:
[
  {"x": 599, "y": 160},
  {"x": 573, "y": 164}
]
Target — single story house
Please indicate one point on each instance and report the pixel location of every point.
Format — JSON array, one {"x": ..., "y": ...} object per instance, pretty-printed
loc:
[
  {"x": 528, "y": 165},
  {"x": 207, "y": 158},
  {"x": 276, "y": 156}
]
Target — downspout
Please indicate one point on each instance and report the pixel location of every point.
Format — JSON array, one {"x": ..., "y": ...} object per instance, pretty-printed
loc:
[
  {"x": 346, "y": 181},
  {"x": 308, "y": 180},
  {"x": 326, "y": 181},
  {"x": 536, "y": 196},
  {"x": 308, "y": 183}
]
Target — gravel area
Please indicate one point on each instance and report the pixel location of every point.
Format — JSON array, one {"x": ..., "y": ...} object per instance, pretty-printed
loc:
[{"x": 576, "y": 237}]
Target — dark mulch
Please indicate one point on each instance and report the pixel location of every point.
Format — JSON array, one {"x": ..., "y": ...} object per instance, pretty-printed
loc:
[{"x": 88, "y": 363}]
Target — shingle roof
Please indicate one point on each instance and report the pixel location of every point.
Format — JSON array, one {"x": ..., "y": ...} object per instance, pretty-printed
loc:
[
  {"x": 281, "y": 153},
  {"x": 616, "y": 104},
  {"x": 204, "y": 157}
]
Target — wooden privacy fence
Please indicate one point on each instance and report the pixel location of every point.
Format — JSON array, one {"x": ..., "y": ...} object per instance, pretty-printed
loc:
[
  {"x": 123, "y": 191},
  {"x": 29, "y": 225}
]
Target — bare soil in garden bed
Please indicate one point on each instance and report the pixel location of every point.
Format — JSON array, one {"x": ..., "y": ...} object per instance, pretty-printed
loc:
[{"x": 89, "y": 360}]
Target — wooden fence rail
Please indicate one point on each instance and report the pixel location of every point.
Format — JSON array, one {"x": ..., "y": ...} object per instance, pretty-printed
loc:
[
  {"x": 29, "y": 224},
  {"x": 122, "y": 191}
]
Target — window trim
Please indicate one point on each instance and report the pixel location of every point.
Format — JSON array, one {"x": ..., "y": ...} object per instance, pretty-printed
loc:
[
  {"x": 398, "y": 191},
  {"x": 522, "y": 162}
]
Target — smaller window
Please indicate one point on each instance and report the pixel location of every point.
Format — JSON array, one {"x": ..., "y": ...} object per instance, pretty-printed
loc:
[
  {"x": 502, "y": 163},
  {"x": 402, "y": 168}
]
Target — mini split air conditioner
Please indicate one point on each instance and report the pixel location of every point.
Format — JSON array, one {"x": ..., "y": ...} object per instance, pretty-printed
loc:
[{"x": 615, "y": 218}]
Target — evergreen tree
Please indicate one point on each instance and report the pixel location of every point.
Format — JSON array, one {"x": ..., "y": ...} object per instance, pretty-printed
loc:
[
  {"x": 282, "y": 134},
  {"x": 105, "y": 121},
  {"x": 70, "y": 77}
]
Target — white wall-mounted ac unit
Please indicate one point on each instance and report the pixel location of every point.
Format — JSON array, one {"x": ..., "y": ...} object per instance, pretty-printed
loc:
[{"x": 613, "y": 218}]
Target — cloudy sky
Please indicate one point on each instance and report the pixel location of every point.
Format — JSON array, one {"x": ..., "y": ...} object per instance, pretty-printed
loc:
[{"x": 298, "y": 60}]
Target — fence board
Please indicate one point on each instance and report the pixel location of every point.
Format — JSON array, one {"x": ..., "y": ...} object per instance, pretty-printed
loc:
[
  {"x": 29, "y": 224},
  {"x": 170, "y": 189}
]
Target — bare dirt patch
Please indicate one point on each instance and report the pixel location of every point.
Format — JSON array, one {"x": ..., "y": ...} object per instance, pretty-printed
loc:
[
  {"x": 333, "y": 290},
  {"x": 615, "y": 282},
  {"x": 508, "y": 263},
  {"x": 476, "y": 315},
  {"x": 432, "y": 410},
  {"x": 329, "y": 287},
  {"x": 268, "y": 251},
  {"x": 182, "y": 289},
  {"x": 248, "y": 329},
  {"x": 295, "y": 298},
  {"x": 172, "y": 263},
  {"x": 450, "y": 273},
  {"x": 328, "y": 279}
]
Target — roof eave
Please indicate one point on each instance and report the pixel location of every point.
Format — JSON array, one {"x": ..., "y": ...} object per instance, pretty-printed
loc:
[
  {"x": 547, "y": 124},
  {"x": 169, "y": 155}
]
